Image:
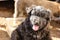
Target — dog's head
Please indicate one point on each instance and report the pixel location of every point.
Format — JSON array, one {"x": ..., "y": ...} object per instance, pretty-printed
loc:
[{"x": 39, "y": 16}]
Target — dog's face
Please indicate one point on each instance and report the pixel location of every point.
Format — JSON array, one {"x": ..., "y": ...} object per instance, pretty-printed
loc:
[{"x": 39, "y": 17}]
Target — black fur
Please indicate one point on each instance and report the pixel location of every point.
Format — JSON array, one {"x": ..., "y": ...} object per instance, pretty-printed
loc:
[{"x": 25, "y": 31}]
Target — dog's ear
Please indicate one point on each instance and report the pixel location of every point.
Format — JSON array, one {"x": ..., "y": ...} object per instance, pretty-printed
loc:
[
  {"x": 29, "y": 9},
  {"x": 49, "y": 14}
]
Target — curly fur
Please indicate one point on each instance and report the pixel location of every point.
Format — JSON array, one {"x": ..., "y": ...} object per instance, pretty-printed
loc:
[{"x": 25, "y": 31}]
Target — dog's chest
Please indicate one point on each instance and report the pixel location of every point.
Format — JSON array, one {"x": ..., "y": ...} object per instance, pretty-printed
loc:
[{"x": 33, "y": 36}]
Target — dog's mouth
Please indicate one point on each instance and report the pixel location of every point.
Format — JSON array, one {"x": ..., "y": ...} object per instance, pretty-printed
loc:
[{"x": 35, "y": 27}]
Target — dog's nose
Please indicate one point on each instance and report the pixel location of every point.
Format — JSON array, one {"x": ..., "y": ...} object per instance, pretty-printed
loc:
[
  {"x": 36, "y": 20},
  {"x": 36, "y": 23}
]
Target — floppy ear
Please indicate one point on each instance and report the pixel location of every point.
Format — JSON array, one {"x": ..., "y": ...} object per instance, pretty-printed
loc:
[
  {"x": 29, "y": 9},
  {"x": 49, "y": 14}
]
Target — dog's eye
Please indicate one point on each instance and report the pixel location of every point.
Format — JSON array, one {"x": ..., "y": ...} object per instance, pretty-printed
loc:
[
  {"x": 47, "y": 19},
  {"x": 42, "y": 14}
]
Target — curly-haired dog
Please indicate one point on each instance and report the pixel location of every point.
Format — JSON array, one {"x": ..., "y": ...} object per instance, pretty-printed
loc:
[{"x": 35, "y": 25}]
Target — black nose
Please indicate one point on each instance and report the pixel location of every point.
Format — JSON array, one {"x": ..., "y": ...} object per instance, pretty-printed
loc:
[{"x": 36, "y": 23}]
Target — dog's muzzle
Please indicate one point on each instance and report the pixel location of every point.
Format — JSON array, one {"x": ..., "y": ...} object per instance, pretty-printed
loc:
[{"x": 37, "y": 22}]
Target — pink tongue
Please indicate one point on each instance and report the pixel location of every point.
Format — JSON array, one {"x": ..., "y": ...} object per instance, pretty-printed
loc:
[{"x": 35, "y": 27}]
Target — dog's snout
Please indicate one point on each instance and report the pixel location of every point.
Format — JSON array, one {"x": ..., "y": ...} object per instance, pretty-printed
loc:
[
  {"x": 34, "y": 20},
  {"x": 36, "y": 24}
]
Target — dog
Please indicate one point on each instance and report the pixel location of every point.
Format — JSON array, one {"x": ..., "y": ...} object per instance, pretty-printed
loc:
[{"x": 35, "y": 25}]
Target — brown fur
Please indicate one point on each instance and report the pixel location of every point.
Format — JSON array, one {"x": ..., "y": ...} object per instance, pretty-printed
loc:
[{"x": 48, "y": 4}]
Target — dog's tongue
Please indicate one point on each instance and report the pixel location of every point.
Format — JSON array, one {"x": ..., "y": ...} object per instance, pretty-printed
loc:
[{"x": 35, "y": 27}]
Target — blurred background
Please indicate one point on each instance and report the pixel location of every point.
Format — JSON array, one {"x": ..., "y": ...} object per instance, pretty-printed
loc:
[{"x": 12, "y": 13}]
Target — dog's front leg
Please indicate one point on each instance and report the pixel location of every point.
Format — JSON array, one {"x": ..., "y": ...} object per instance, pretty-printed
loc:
[{"x": 15, "y": 36}]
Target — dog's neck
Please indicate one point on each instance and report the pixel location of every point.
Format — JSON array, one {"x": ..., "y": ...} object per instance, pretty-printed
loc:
[{"x": 38, "y": 35}]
